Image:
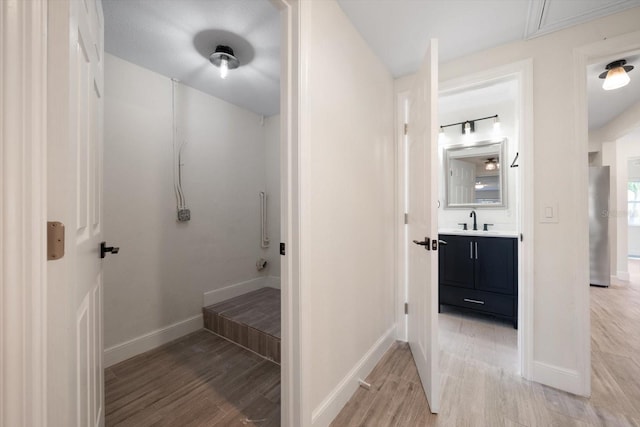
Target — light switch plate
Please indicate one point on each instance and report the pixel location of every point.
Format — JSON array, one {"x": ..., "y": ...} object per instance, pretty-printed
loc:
[{"x": 549, "y": 212}]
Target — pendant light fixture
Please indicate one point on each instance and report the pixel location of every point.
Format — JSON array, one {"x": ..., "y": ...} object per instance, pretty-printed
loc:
[
  {"x": 224, "y": 58},
  {"x": 616, "y": 75}
]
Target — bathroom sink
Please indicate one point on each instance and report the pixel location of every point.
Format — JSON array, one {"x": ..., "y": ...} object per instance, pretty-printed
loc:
[{"x": 490, "y": 233}]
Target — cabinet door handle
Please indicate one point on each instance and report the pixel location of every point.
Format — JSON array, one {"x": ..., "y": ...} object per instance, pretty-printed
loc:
[
  {"x": 475, "y": 301},
  {"x": 476, "y": 250},
  {"x": 470, "y": 250}
]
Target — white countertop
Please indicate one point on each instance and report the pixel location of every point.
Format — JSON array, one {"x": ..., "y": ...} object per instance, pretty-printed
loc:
[{"x": 490, "y": 233}]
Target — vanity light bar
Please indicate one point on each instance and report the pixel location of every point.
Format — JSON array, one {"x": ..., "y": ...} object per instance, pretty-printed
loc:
[{"x": 469, "y": 126}]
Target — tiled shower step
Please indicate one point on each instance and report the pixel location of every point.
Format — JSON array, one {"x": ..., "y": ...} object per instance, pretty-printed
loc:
[{"x": 251, "y": 320}]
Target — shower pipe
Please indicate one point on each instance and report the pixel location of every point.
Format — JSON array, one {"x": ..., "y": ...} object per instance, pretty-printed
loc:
[{"x": 177, "y": 154}]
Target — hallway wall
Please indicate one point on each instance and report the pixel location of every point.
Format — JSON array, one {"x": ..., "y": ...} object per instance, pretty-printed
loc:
[
  {"x": 347, "y": 151},
  {"x": 155, "y": 284}
]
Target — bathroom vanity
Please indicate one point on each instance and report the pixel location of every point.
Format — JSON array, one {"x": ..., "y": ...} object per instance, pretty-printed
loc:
[{"x": 479, "y": 272}]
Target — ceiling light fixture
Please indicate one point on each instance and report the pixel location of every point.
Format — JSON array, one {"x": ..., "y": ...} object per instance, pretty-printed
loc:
[
  {"x": 224, "y": 58},
  {"x": 490, "y": 164},
  {"x": 616, "y": 75},
  {"x": 468, "y": 127}
]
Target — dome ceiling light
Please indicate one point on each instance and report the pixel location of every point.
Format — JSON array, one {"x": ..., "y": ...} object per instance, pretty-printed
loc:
[
  {"x": 491, "y": 164},
  {"x": 224, "y": 58},
  {"x": 616, "y": 75}
]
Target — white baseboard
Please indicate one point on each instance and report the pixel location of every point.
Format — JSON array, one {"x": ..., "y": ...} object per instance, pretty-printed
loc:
[
  {"x": 272, "y": 282},
  {"x": 557, "y": 377},
  {"x": 151, "y": 340},
  {"x": 231, "y": 291},
  {"x": 623, "y": 275},
  {"x": 340, "y": 395}
]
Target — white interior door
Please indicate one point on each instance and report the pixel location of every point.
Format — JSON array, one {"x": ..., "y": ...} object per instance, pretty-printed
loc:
[
  {"x": 423, "y": 225},
  {"x": 462, "y": 178},
  {"x": 75, "y": 102}
]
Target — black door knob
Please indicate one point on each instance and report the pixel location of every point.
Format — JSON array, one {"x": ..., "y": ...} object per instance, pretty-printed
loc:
[
  {"x": 104, "y": 249},
  {"x": 426, "y": 242}
]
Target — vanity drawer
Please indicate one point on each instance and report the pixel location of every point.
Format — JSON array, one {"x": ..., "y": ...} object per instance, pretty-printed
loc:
[{"x": 478, "y": 300}]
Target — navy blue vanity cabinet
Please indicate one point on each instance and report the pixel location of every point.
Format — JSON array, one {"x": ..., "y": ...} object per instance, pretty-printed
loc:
[
  {"x": 480, "y": 274},
  {"x": 455, "y": 262}
]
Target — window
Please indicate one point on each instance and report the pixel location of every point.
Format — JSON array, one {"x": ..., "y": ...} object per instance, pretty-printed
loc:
[{"x": 633, "y": 197}]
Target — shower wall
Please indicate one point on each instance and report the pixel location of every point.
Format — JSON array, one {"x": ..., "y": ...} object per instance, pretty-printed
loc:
[
  {"x": 153, "y": 289},
  {"x": 272, "y": 169}
]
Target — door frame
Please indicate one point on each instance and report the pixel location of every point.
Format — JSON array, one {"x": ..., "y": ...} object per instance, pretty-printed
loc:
[
  {"x": 23, "y": 198},
  {"x": 582, "y": 57},
  {"x": 291, "y": 374},
  {"x": 522, "y": 71},
  {"x": 24, "y": 334}
]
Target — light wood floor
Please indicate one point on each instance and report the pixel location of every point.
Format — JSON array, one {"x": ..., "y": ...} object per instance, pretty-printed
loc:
[
  {"x": 204, "y": 380},
  {"x": 478, "y": 392},
  {"x": 488, "y": 341}
]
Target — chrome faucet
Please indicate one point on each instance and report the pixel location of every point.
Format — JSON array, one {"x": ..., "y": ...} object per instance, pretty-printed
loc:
[{"x": 475, "y": 224}]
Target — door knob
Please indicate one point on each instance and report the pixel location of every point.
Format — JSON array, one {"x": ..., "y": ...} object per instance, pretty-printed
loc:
[
  {"x": 104, "y": 249},
  {"x": 426, "y": 243}
]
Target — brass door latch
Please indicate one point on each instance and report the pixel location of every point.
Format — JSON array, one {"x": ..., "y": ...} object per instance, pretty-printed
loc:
[{"x": 55, "y": 240}]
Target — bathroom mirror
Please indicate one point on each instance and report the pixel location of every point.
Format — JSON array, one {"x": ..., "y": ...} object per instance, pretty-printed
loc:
[{"x": 474, "y": 175}]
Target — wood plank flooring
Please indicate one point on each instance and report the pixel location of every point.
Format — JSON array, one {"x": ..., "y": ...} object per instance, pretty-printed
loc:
[
  {"x": 198, "y": 380},
  {"x": 479, "y": 392},
  {"x": 252, "y": 320},
  {"x": 487, "y": 340},
  {"x": 258, "y": 309},
  {"x": 204, "y": 380}
]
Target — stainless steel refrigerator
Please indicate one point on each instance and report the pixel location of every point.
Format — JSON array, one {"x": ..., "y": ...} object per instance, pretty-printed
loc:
[{"x": 599, "y": 258}]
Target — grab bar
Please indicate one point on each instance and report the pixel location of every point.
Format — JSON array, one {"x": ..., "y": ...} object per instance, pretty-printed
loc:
[{"x": 264, "y": 242}]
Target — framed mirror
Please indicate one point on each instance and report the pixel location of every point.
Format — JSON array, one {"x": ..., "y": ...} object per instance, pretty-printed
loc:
[{"x": 474, "y": 175}]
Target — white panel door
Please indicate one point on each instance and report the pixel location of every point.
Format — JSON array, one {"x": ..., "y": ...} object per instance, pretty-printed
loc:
[
  {"x": 87, "y": 144},
  {"x": 462, "y": 178},
  {"x": 422, "y": 225},
  {"x": 76, "y": 58}
]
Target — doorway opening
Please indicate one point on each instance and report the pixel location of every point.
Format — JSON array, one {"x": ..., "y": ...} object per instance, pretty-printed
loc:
[
  {"x": 633, "y": 207},
  {"x": 193, "y": 179},
  {"x": 478, "y": 223},
  {"x": 613, "y": 131},
  {"x": 511, "y": 88}
]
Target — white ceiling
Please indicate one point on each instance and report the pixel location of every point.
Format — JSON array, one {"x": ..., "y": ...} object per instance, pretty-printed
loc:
[
  {"x": 475, "y": 97},
  {"x": 175, "y": 38},
  {"x": 398, "y": 30},
  {"x": 463, "y": 27}
]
